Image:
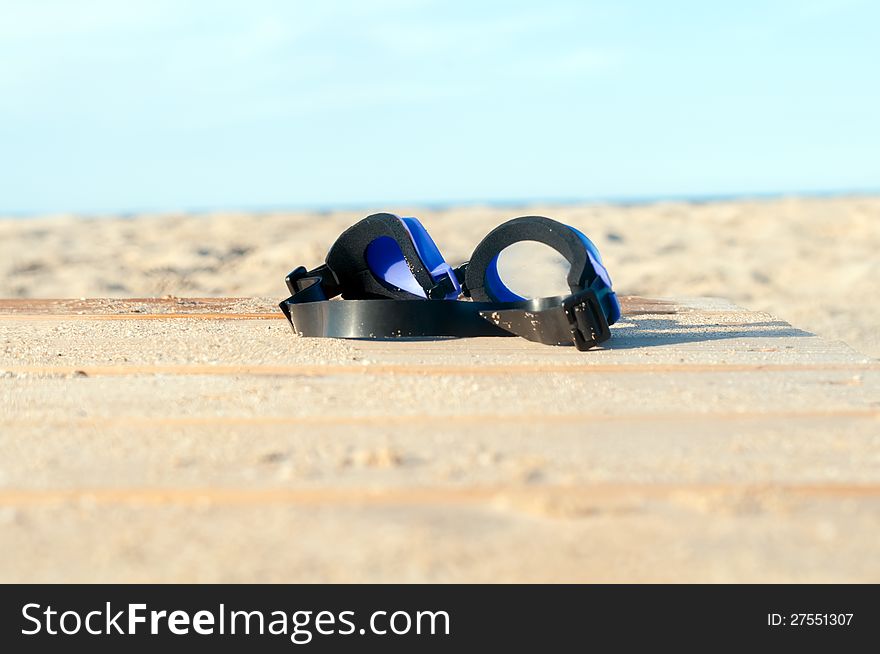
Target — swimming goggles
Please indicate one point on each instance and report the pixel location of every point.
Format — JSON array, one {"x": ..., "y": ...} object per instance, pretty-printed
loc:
[{"x": 395, "y": 284}]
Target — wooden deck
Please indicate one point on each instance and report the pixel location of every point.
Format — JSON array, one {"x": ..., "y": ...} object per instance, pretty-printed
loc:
[{"x": 199, "y": 440}]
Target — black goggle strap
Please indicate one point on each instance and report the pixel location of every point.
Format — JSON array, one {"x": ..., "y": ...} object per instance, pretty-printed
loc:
[{"x": 573, "y": 320}]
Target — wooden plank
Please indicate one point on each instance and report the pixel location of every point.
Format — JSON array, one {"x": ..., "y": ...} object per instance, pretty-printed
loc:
[
  {"x": 633, "y": 393},
  {"x": 704, "y": 442},
  {"x": 439, "y": 453},
  {"x": 699, "y": 536}
]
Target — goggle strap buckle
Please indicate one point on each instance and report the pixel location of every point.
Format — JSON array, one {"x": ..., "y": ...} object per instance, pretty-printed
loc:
[{"x": 586, "y": 320}]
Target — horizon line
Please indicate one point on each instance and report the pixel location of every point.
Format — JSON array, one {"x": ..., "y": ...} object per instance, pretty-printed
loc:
[{"x": 620, "y": 200}]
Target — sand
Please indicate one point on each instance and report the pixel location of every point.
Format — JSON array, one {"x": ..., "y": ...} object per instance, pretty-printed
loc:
[
  {"x": 198, "y": 440},
  {"x": 811, "y": 261}
]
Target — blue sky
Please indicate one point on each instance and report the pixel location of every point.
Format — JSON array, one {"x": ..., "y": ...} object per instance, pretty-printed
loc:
[{"x": 164, "y": 104}]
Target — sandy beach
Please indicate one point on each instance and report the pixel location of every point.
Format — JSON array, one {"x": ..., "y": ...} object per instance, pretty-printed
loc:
[
  {"x": 810, "y": 261},
  {"x": 175, "y": 439}
]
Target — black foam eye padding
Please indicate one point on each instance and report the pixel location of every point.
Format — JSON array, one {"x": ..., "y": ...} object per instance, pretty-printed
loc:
[
  {"x": 347, "y": 258},
  {"x": 527, "y": 228}
]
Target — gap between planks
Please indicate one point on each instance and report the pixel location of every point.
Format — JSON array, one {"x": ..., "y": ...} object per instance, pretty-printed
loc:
[
  {"x": 421, "y": 369},
  {"x": 397, "y": 419},
  {"x": 140, "y": 316},
  {"x": 586, "y": 495},
  {"x": 217, "y": 308}
]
